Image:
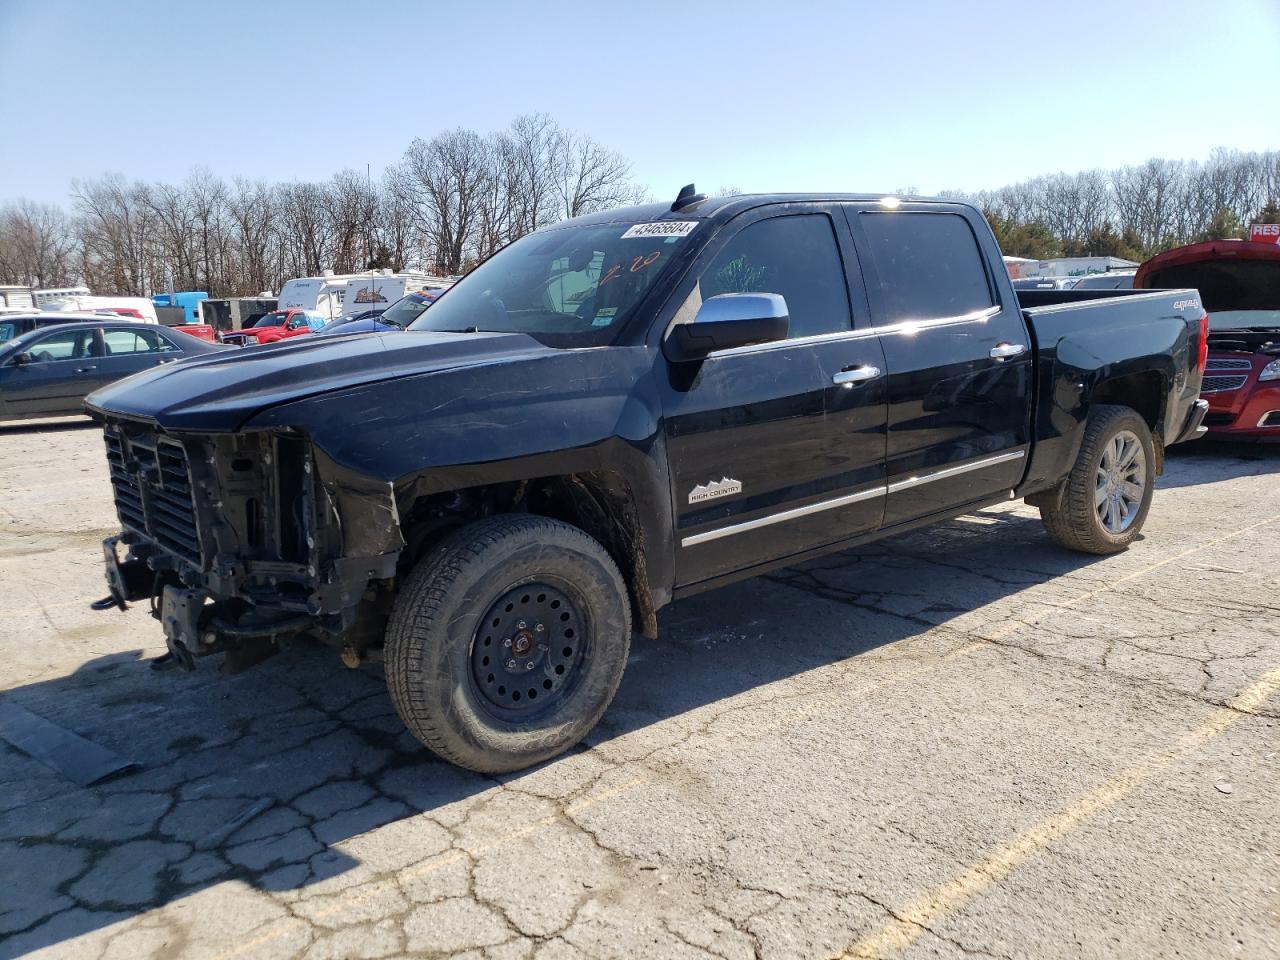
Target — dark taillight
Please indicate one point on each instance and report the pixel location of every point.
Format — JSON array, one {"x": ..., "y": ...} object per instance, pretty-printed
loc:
[{"x": 1202, "y": 356}]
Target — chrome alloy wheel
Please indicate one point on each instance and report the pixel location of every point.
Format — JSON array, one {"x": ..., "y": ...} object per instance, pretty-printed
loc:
[{"x": 1121, "y": 482}]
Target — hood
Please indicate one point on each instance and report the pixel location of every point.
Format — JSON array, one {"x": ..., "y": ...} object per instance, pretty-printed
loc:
[
  {"x": 1231, "y": 275},
  {"x": 218, "y": 393}
]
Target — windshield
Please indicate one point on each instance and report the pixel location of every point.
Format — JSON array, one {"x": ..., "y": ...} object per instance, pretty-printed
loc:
[
  {"x": 408, "y": 308},
  {"x": 1244, "y": 319},
  {"x": 570, "y": 286}
]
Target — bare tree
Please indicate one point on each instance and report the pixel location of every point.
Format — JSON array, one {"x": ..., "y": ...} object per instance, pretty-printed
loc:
[
  {"x": 116, "y": 223},
  {"x": 448, "y": 177},
  {"x": 37, "y": 245},
  {"x": 590, "y": 177}
]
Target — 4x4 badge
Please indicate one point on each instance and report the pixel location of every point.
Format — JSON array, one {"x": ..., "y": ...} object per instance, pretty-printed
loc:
[{"x": 724, "y": 487}]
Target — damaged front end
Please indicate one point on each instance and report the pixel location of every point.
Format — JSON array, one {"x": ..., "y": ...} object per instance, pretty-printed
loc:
[{"x": 243, "y": 541}]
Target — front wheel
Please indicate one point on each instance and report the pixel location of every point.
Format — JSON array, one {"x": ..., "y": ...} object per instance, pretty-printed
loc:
[
  {"x": 1108, "y": 492},
  {"x": 508, "y": 642}
]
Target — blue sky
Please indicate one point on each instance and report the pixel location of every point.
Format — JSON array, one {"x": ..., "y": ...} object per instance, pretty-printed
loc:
[{"x": 762, "y": 96}]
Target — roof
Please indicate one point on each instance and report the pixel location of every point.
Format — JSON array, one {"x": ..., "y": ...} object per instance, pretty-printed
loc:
[
  {"x": 65, "y": 316},
  {"x": 723, "y": 208}
]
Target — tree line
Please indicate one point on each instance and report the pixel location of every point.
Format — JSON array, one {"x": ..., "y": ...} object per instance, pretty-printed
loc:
[
  {"x": 1134, "y": 211},
  {"x": 456, "y": 198},
  {"x": 450, "y": 201}
]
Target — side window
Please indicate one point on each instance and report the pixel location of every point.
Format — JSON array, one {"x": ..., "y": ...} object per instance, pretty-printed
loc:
[
  {"x": 795, "y": 256},
  {"x": 63, "y": 345},
  {"x": 929, "y": 265},
  {"x": 8, "y": 330},
  {"x": 129, "y": 341}
]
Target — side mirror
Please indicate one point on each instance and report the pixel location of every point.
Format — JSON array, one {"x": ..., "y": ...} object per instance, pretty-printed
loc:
[
  {"x": 22, "y": 359},
  {"x": 728, "y": 320}
]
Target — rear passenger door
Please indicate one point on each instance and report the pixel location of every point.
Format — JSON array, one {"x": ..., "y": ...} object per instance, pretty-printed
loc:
[
  {"x": 959, "y": 360},
  {"x": 770, "y": 452},
  {"x": 129, "y": 350}
]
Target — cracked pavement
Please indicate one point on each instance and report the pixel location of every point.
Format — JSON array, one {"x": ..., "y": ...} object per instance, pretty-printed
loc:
[{"x": 959, "y": 742}]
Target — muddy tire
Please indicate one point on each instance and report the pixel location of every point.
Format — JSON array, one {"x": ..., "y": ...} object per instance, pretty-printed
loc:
[
  {"x": 508, "y": 642},
  {"x": 1108, "y": 492}
]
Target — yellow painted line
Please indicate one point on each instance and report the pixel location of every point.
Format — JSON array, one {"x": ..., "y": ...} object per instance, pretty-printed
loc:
[
  {"x": 430, "y": 865},
  {"x": 945, "y": 900}
]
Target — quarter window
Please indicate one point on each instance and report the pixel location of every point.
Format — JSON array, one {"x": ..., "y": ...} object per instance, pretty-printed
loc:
[
  {"x": 929, "y": 265},
  {"x": 795, "y": 256},
  {"x": 134, "y": 341}
]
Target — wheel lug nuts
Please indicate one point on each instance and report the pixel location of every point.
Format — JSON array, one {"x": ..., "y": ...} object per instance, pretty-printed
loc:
[
  {"x": 511, "y": 664},
  {"x": 539, "y": 627},
  {"x": 529, "y": 665},
  {"x": 506, "y": 642},
  {"x": 520, "y": 624}
]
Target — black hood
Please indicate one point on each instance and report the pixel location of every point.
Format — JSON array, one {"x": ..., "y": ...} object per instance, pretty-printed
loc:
[{"x": 219, "y": 393}]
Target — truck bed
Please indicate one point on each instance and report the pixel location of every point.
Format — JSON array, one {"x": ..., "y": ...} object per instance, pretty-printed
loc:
[{"x": 1144, "y": 342}]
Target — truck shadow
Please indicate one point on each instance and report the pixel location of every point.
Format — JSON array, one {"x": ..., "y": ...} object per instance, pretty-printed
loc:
[{"x": 319, "y": 757}]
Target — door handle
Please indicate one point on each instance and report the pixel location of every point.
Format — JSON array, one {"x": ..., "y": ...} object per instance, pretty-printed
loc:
[
  {"x": 847, "y": 378},
  {"x": 167, "y": 360},
  {"x": 1003, "y": 351},
  {"x": 86, "y": 369}
]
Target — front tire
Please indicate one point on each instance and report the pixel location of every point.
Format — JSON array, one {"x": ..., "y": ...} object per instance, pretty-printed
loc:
[
  {"x": 508, "y": 642},
  {"x": 1108, "y": 492}
]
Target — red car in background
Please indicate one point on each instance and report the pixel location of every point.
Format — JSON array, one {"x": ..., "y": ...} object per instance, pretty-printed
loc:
[
  {"x": 275, "y": 326},
  {"x": 1239, "y": 284}
]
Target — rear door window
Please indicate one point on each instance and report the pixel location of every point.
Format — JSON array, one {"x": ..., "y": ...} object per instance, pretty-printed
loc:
[
  {"x": 131, "y": 341},
  {"x": 795, "y": 256},
  {"x": 929, "y": 265}
]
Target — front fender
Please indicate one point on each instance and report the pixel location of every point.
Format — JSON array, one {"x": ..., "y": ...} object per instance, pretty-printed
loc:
[{"x": 381, "y": 447}]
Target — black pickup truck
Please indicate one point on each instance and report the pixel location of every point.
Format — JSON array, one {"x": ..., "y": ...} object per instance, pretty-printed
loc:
[{"x": 616, "y": 412}]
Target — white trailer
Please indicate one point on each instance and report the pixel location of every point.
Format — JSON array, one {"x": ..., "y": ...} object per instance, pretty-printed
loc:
[
  {"x": 137, "y": 308},
  {"x": 332, "y": 295}
]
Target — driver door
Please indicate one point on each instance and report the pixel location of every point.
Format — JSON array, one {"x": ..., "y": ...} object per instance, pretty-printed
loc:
[
  {"x": 771, "y": 451},
  {"x": 65, "y": 368}
]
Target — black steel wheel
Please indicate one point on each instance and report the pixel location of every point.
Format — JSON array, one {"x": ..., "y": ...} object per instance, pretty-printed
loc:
[
  {"x": 528, "y": 652},
  {"x": 508, "y": 642}
]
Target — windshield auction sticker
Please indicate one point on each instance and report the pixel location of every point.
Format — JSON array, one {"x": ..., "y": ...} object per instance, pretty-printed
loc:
[{"x": 661, "y": 228}]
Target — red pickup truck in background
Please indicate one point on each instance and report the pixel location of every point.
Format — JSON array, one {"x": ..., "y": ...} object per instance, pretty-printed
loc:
[
  {"x": 1239, "y": 283},
  {"x": 275, "y": 326}
]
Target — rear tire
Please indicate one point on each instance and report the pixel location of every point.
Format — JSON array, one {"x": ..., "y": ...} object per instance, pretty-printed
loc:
[
  {"x": 508, "y": 642},
  {"x": 1108, "y": 491}
]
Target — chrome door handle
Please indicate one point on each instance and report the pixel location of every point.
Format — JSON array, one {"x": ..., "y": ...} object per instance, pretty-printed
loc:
[
  {"x": 847, "y": 378},
  {"x": 1002, "y": 351},
  {"x": 167, "y": 360},
  {"x": 85, "y": 369}
]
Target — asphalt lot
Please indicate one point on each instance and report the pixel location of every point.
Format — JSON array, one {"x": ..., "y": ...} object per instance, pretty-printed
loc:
[{"x": 962, "y": 742}]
